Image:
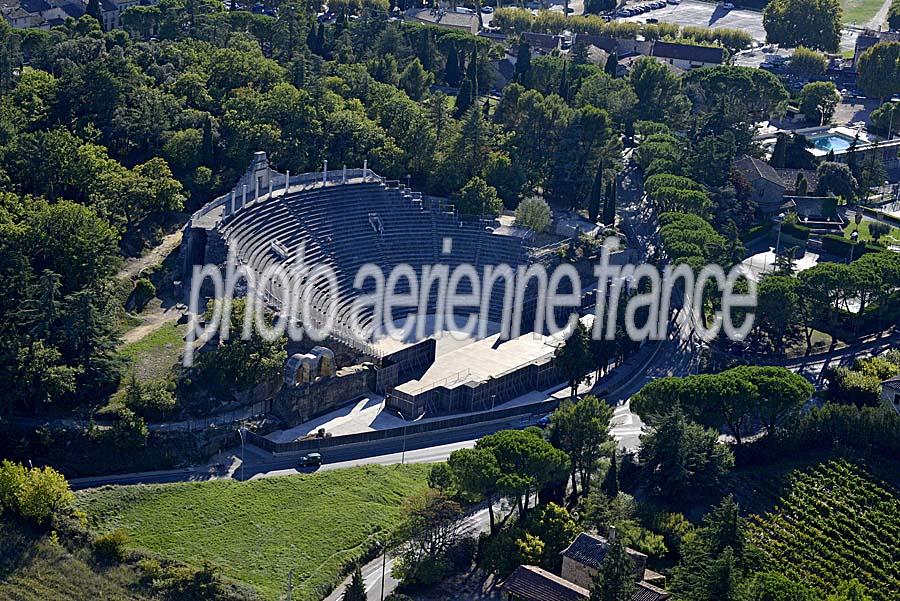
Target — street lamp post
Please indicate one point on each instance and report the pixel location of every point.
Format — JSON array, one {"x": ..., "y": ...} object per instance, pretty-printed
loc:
[
  {"x": 778, "y": 240},
  {"x": 854, "y": 237},
  {"x": 241, "y": 432},
  {"x": 383, "y": 566},
  {"x": 403, "y": 453}
]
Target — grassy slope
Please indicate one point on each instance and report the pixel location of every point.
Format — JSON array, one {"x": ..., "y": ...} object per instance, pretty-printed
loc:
[
  {"x": 860, "y": 11},
  {"x": 257, "y": 531},
  {"x": 34, "y": 569},
  {"x": 154, "y": 355}
]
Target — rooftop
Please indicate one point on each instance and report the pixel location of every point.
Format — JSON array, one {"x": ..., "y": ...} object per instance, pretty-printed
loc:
[
  {"x": 689, "y": 52},
  {"x": 590, "y": 549},
  {"x": 530, "y": 583}
]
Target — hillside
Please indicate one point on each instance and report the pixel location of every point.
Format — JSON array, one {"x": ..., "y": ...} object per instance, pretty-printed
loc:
[
  {"x": 33, "y": 568},
  {"x": 257, "y": 531},
  {"x": 835, "y": 522}
]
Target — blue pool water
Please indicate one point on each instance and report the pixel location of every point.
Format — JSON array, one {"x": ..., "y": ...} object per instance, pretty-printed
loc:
[{"x": 831, "y": 142}]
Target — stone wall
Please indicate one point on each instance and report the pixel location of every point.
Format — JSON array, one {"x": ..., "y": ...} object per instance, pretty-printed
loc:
[{"x": 301, "y": 403}]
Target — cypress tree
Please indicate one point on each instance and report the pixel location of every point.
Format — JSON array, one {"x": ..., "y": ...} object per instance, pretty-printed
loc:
[
  {"x": 609, "y": 207},
  {"x": 451, "y": 72},
  {"x": 612, "y": 64},
  {"x": 610, "y": 486},
  {"x": 596, "y": 195},
  {"x": 523, "y": 61},
  {"x": 207, "y": 150},
  {"x": 320, "y": 40},
  {"x": 464, "y": 98},
  {"x": 93, "y": 9},
  {"x": 356, "y": 588},
  {"x": 779, "y": 153},
  {"x": 472, "y": 72},
  {"x": 614, "y": 580},
  {"x": 564, "y": 82},
  {"x": 311, "y": 39}
]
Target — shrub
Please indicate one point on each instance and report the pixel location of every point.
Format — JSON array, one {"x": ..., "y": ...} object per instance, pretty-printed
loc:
[
  {"x": 112, "y": 547},
  {"x": 143, "y": 292},
  {"x": 534, "y": 213},
  {"x": 35, "y": 494}
]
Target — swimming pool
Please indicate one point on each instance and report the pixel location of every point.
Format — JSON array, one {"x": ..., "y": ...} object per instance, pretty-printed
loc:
[{"x": 829, "y": 142}]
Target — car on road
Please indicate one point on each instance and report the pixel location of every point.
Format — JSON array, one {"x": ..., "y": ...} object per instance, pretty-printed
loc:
[
  {"x": 673, "y": 1},
  {"x": 728, "y": 6},
  {"x": 310, "y": 460},
  {"x": 487, "y": 9},
  {"x": 544, "y": 421},
  {"x": 652, "y": 20}
]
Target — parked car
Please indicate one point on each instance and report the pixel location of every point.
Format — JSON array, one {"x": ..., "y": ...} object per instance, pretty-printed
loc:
[
  {"x": 652, "y": 20},
  {"x": 728, "y": 6},
  {"x": 310, "y": 460},
  {"x": 673, "y": 1},
  {"x": 543, "y": 422},
  {"x": 487, "y": 9}
]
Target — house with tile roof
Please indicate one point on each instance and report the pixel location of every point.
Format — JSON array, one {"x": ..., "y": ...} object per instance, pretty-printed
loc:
[{"x": 581, "y": 561}]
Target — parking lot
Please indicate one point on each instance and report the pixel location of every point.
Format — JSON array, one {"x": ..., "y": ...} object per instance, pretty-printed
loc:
[{"x": 706, "y": 14}]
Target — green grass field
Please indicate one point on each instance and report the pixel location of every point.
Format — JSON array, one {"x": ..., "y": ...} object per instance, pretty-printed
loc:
[
  {"x": 860, "y": 11},
  {"x": 864, "y": 235},
  {"x": 256, "y": 531},
  {"x": 154, "y": 355},
  {"x": 32, "y": 568}
]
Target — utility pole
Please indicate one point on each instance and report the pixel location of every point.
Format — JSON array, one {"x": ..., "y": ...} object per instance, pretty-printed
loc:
[
  {"x": 383, "y": 566},
  {"x": 290, "y": 584}
]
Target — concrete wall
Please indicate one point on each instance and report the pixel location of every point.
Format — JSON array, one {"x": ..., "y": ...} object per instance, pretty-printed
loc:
[{"x": 301, "y": 403}]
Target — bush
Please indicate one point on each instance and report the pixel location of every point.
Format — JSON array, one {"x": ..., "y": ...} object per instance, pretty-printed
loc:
[
  {"x": 36, "y": 494},
  {"x": 796, "y": 231},
  {"x": 853, "y": 387},
  {"x": 112, "y": 547},
  {"x": 840, "y": 246},
  {"x": 534, "y": 213},
  {"x": 143, "y": 292}
]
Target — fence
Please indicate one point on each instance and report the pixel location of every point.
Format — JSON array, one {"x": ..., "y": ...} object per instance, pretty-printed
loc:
[{"x": 412, "y": 429}]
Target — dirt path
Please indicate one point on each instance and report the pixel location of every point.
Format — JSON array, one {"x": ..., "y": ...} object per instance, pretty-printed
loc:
[
  {"x": 153, "y": 319},
  {"x": 154, "y": 256},
  {"x": 157, "y": 313}
]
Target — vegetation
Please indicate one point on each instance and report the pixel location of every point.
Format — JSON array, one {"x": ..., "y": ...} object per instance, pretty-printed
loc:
[
  {"x": 825, "y": 519},
  {"x": 814, "y": 24},
  {"x": 878, "y": 72},
  {"x": 330, "y": 521},
  {"x": 534, "y": 213}
]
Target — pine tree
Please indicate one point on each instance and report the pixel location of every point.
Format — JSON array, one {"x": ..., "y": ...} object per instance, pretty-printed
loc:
[
  {"x": 612, "y": 64},
  {"x": 610, "y": 486},
  {"x": 615, "y": 577},
  {"x": 486, "y": 110},
  {"x": 356, "y": 589}
]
